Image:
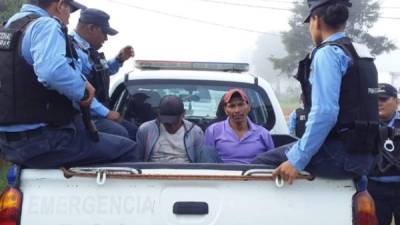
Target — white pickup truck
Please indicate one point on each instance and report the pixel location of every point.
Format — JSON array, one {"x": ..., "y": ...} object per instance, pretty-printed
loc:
[{"x": 193, "y": 194}]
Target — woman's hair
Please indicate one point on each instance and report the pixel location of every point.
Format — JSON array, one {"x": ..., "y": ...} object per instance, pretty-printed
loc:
[{"x": 335, "y": 15}]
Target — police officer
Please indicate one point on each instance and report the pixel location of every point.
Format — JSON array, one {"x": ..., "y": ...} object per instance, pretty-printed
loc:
[
  {"x": 89, "y": 36},
  {"x": 384, "y": 182},
  {"x": 342, "y": 126},
  {"x": 297, "y": 120},
  {"x": 38, "y": 123}
]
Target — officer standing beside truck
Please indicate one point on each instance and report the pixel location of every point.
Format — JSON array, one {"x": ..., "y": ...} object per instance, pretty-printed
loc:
[
  {"x": 297, "y": 120},
  {"x": 39, "y": 126},
  {"x": 384, "y": 181},
  {"x": 90, "y": 34},
  {"x": 339, "y": 89}
]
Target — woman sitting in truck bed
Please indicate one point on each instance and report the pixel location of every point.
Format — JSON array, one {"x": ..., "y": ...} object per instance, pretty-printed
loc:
[{"x": 237, "y": 139}]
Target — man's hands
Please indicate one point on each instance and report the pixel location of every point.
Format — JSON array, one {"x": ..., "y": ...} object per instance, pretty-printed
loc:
[
  {"x": 125, "y": 53},
  {"x": 89, "y": 95},
  {"x": 114, "y": 116},
  {"x": 286, "y": 171}
]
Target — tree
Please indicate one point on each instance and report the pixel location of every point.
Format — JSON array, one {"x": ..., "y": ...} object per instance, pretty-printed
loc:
[
  {"x": 8, "y": 8},
  {"x": 297, "y": 41}
]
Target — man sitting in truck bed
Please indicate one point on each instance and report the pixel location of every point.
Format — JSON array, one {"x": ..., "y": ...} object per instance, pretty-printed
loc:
[
  {"x": 170, "y": 138},
  {"x": 237, "y": 139}
]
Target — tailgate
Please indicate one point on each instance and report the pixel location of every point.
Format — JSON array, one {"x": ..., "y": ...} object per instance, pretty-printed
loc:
[{"x": 181, "y": 196}]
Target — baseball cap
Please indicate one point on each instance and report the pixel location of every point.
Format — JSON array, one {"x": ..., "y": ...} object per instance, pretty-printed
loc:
[
  {"x": 98, "y": 18},
  {"x": 74, "y": 5},
  {"x": 228, "y": 95},
  {"x": 314, "y": 4},
  {"x": 387, "y": 91},
  {"x": 171, "y": 109}
]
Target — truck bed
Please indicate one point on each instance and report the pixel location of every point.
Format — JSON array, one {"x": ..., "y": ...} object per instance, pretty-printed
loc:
[{"x": 193, "y": 194}]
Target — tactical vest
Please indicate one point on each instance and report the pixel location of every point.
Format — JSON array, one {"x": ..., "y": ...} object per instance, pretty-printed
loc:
[
  {"x": 99, "y": 75},
  {"x": 23, "y": 99},
  {"x": 358, "y": 122},
  {"x": 388, "y": 159},
  {"x": 301, "y": 119}
]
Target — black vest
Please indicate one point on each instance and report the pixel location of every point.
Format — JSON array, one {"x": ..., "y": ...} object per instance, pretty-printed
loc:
[
  {"x": 23, "y": 99},
  {"x": 99, "y": 76},
  {"x": 301, "y": 119},
  {"x": 358, "y": 122}
]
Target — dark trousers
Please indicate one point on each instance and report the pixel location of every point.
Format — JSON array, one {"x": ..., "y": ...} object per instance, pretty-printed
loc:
[
  {"x": 387, "y": 201},
  {"x": 68, "y": 145},
  {"x": 331, "y": 161},
  {"x": 124, "y": 128}
]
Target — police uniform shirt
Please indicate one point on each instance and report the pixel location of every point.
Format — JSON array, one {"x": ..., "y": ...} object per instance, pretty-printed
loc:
[{"x": 97, "y": 108}]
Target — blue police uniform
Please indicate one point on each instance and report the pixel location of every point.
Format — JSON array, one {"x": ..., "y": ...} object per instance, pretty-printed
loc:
[
  {"x": 297, "y": 122},
  {"x": 314, "y": 152},
  {"x": 292, "y": 123},
  {"x": 322, "y": 149},
  {"x": 82, "y": 46},
  {"x": 385, "y": 190},
  {"x": 384, "y": 184},
  {"x": 44, "y": 47},
  {"x": 124, "y": 128}
]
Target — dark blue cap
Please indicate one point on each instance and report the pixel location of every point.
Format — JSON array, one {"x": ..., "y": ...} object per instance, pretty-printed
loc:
[
  {"x": 314, "y": 4},
  {"x": 98, "y": 18},
  {"x": 387, "y": 90},
  {"x": 74, "y": 5}
]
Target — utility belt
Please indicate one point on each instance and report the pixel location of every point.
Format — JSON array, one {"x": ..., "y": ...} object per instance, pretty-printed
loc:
[{"x": 358, "y": 137}]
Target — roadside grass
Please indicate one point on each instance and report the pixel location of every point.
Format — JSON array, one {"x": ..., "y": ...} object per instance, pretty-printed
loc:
[{"x": 3, "y": 173}]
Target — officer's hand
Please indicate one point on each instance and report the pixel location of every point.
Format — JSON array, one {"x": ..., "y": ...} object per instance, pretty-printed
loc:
[
  {"x": 286, "y": 171},
  {"x": 125, "y": 53},
  {"x": 89, "y": 95},
  {"x": 114, "y": 116}
]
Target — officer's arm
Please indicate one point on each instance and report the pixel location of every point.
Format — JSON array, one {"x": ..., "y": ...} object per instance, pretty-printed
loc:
[
  {"x": 48, "y": 53},
  {"x": 113, "y": 66},
  {"x": 98, "y": 109},
  {"x": 329, "y": 65},
  {"x": 123, "y": 55}
]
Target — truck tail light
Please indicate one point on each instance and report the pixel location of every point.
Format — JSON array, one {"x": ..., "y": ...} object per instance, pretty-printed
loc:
[
  {"x": 364, "y": 209},
  {"x": 10, "y": 206}
]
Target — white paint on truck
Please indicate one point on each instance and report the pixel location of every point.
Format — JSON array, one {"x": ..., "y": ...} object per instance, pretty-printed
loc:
[{"x": 53, "y": 199}]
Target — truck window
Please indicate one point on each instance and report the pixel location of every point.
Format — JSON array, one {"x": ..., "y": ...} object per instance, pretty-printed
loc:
[{"x": 139, "y": 103}]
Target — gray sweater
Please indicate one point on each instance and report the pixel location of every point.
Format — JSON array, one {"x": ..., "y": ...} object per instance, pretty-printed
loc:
[{"x": 149, "y": 132}]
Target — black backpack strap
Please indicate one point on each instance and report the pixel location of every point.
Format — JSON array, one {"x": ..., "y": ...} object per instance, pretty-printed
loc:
[
  {"x": 341, "y": 43},
  {"x": 21, "y": 24},
  {"x": 70, "y": 51}
]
